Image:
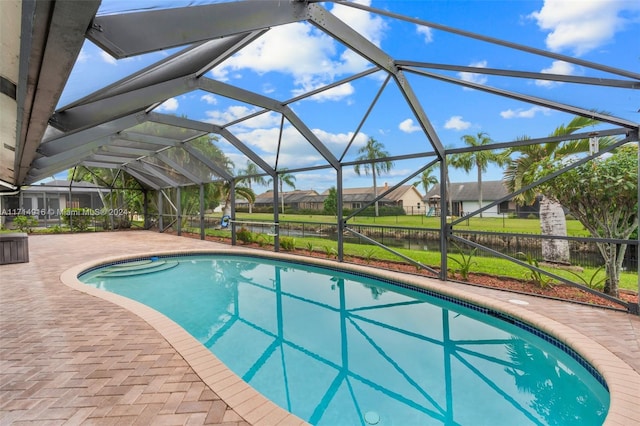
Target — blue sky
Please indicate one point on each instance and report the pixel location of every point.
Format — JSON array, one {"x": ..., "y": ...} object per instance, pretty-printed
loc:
[{"x": 291, "y": 59}]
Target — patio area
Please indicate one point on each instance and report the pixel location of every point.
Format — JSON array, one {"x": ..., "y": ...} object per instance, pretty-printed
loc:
[{"x": 67, "y": 357}]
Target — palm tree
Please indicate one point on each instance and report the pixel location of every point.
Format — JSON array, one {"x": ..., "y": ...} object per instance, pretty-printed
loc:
[
  {"x": 524, "y": 170},
  {"x": 371, "y": 152},
  {"x": 427, "y": 180},
  {"x": 251, "y": 171},
  {"x": 284, "y": 177},
  {"x": 223, "y": 192},
  {"x": 478, "y": 159}
]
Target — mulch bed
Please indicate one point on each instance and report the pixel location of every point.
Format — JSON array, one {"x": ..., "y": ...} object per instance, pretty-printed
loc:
[{"x": 557, "y": 291}]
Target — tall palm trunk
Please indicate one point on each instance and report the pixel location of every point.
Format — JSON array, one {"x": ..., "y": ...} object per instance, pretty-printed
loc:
[
  {"x": 282, "y": 195},
  {"x": 552, "y": 222},
  {"x": 480, "y": 189}
]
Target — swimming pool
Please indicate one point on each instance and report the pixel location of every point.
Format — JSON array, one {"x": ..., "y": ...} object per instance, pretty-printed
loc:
[{"x": 336, "y": 348}]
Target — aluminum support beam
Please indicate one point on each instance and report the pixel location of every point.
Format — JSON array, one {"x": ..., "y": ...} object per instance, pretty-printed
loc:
[
  {"x": 157, "y": 173},
  {"x": 445, "y": 228},
  {"x": 340, "y": 213},
  {"x": 52, "y": 35},
  {"x": 276, "y": 215},
  {"x": 178, "y": 211},
  {"x": 101, "y": 158},
  {"x": 100, "y": 165},
  {"x": 201, "y": 193},
  {"x": 104, "y": 110},
  {"x": 125, "y": 150},
  {"x": 204, "y": 160},
  {"x": 177, "y": 65},
  {"x": 160, "y": 212},
  {"x": 210, "y": 128},
  {"x": 130, "y": 34},
  {"x": 179, "y": 168},
  {"x": 497, "y": 41},
  {"x": 246, "y": 96},
  {"x": 535, "y": 100},
  {"x": 310, "y": 137},
  {"x": 608, "y": 82},
  {"x": 355, "y": 41},
  {"x": 148, "y": 139},
  {"x": 239, "y": 94},
  {"x": 80, "y": 139},
  {"x": 141, "y": 178}
]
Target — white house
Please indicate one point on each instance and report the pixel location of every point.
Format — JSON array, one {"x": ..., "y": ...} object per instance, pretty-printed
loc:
[{"x": 464, "y": 199}]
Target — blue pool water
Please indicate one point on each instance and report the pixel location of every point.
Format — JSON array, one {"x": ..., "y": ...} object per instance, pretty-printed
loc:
[{"x": 335, "y": 348}]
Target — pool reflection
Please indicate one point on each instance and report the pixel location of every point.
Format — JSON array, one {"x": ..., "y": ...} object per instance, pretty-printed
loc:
[{"x": 337, "y": 349}]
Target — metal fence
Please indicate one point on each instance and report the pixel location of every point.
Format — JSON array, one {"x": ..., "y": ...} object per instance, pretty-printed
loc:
[{"x": 583, "y": 253}]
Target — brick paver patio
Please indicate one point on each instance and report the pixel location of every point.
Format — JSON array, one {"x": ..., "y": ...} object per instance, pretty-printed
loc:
[{"x": 67, "y": 357}]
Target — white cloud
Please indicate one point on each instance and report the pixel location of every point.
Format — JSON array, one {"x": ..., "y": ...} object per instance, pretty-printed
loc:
[
  {"x": 311, "y": 57},
  {"x": 108, "y": 58},
  {"x": 209, "y": 98},
  {"x": 408, "y": 126},
  {"x": 370, "y": 26},
  {"x": 473, "y": 77},
  {"x": 426, "y": 32},
  {"x": 334, "y": 141},
  {"x": 333, "y": 94},
  {"x": 524, "y": 113},
  {"x": 557, "y": 67},
  {"x": 169, "y": 105},
  {"x": 83, "y": 56},
  {"x": 233, "y": 113},
  {"x": 581, "y": 26},
  {"x": 457, "y": 123}
]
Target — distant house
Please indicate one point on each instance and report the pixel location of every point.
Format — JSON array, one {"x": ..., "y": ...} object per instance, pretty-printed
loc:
[
  {"x": 405, "y": 196},
  {"x": 464, "y": 199},
  {"x": 46, "y": 201},
  {"x": 293, "y": 200}
]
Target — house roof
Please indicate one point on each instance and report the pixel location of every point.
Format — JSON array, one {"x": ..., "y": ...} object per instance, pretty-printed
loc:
[
  {"x": 60, "y": 185},
  {"x": 296, "y": 196},
  {"x": 367, "y": 193},
  {"x": 468, "y": 191}
]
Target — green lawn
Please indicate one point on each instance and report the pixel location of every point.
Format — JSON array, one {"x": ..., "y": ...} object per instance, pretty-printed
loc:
[
  {"x": 486, "y": 265},
  {"x": 490, "y": 224}
]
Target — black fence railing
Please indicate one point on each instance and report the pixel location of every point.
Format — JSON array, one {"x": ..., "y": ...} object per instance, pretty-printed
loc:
[{"x": 582, "y": 252}]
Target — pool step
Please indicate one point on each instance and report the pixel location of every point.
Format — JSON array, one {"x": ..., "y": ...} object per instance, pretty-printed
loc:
[{"x": 129, "y": 270}]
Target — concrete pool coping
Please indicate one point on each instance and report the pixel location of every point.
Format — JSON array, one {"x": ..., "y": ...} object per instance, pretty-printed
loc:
[{"x": 622, "y": 380}]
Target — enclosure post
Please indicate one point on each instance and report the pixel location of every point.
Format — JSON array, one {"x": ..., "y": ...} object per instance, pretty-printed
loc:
[
  {"x": 232, "y": 200},
  {"x": 202, "y": 211},
  {"x": 160, "y": 211},
  {"x": 69, "y": 211},
  {"x": 444, "y": 226},
  {"x": 46, "y": 209},
  {"x": 276, "y": 215},
  {"x": 145, "y": 208},
  {"x": 178, "y": 212},
  {"x": 637, "y": 307},
  {"x": 339, "y": 214},
  {"x": 112, "y": 208}
]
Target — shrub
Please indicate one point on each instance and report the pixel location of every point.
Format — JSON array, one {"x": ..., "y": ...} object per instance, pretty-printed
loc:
[
  {"x": 330, "y": 251},
  {"x": 537, "y": 277},
  {"x": 78, "y": 219},
  {"x": 465, "y": 263},
  {"x": 288, "y": 243},
  {"x": 25, "y": 223},
  {"x": 56, "y": 229},
  {"x": 244, "y": 235}
]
